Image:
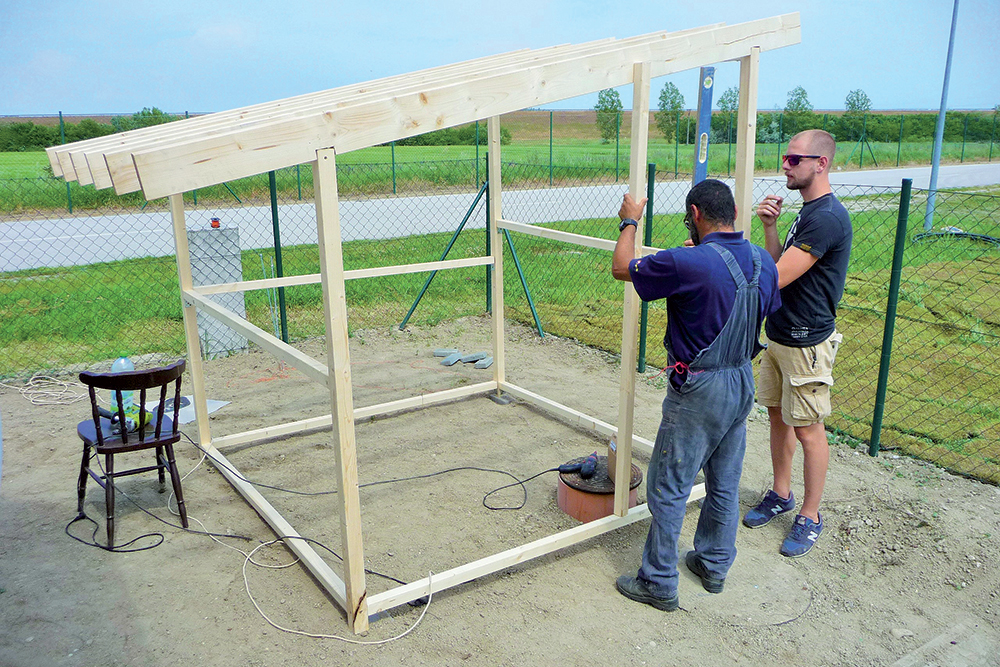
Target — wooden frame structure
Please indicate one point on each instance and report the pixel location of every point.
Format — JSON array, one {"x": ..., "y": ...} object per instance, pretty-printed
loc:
[{"x": 168, "y": 160}]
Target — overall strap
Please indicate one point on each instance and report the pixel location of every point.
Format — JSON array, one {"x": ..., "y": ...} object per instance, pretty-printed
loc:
[{"x": 733, "y": 265}]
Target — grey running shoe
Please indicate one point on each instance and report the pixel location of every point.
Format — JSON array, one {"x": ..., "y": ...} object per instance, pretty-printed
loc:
[{"x": 771, "y": 506}]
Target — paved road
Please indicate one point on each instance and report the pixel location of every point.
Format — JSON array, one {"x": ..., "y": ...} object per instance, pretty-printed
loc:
[{"x": 86, "y": 240}]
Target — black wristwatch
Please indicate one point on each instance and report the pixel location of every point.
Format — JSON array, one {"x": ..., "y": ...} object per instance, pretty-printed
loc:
[{"x": 625, "y": 223}]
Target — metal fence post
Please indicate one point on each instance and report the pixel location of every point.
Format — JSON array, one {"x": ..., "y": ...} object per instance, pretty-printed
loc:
[
  {"x": 864, "y": 139},
  {"x": 729, "y": 143},
  {"x": 781, "y": 130},
  {"x": 647, "y": 237},
  {"x": 279, "y": 272},
  {"x": 677, "y": 141},
  {"x": 993, "y": 133},
  {"x": 550, "y": 149},
  {"x": 477, "y": 152},
  {"x": 899, "y": 144},
  {"x": 618, "y": 131},
  {"x": 965, "y": 132},
  {"x": 489, "y": 244},
  {"x": 62, "y": 140},
  {"x": 890, "y": 316},
  {"x": 392, "y": 150},
  {"x": 298, "y": 180}
]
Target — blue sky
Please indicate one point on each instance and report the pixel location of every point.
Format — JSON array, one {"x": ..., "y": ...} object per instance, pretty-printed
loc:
[{"x": 116, "y": 56}]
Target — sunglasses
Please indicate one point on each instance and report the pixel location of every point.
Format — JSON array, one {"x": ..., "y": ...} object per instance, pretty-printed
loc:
[{"x": 793, "y": 160}]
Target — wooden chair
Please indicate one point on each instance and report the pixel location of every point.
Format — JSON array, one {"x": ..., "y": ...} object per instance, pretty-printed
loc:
[{"x": 157, "y": 430}]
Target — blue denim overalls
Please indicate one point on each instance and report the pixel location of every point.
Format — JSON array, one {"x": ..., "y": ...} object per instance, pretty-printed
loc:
[{"x": 704, "y": 427}]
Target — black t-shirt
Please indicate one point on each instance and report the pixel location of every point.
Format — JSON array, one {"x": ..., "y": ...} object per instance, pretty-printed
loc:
[{"x": 809, "y": 304}]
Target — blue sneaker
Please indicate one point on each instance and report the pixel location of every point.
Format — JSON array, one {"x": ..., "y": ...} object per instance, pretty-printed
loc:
[
  {"x": 771, "y": 506},
  {"x": 802, "y": 536}
]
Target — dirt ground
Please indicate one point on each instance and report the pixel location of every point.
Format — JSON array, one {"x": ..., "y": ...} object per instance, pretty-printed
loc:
[{"x": 906, "y": 572}]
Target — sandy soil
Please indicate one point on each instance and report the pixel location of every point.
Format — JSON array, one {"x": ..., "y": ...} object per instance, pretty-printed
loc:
[{"x": 905, "y": 572}]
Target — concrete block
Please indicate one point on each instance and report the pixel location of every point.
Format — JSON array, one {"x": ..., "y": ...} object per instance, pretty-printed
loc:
[
  {"x": 451, "y": 359},
  {"x": 475, "y": 356},
  {"x": 444, "y": 352},
  {"x": 484, "y": 363}
]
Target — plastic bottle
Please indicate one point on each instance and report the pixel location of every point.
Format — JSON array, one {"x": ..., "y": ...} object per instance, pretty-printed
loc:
[{"x": 120, "y": 365}]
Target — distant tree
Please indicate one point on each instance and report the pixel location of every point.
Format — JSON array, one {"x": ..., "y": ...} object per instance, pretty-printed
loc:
[
  {"x": 671, "y": 105},
  {"x": 729, "y": 103},
  {"x": 798, "y": 112},
  {"x": 145, "y": 118},
  {"x": 608, "y": 107},
  {"x": 857, "y": 102}
]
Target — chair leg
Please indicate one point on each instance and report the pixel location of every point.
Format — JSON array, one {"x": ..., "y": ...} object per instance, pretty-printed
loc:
[
  {"x": 159, "y": 469},
  {"x": 81, "y": 484},
  {"x": 175, "y": 479},
  {"x": 109, "y": 495}
]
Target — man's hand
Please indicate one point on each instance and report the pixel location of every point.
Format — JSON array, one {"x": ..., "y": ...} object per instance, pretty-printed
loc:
[
  {"x": 769, "y": 210},
  {"x": 631, "y": 209}
]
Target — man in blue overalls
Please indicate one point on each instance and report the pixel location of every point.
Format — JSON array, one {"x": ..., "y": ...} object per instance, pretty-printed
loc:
[{"x": 719, "y": 288}]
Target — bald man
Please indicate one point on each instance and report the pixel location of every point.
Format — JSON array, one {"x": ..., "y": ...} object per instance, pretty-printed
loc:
[{"x": 796, "y": 370}]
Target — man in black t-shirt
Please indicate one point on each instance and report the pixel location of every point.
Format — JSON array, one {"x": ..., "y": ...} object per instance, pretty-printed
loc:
[{"x": 796, "y": 370}]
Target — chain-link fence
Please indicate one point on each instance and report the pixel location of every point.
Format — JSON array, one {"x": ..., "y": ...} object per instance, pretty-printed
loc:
[{"x": 78, "y": 289}]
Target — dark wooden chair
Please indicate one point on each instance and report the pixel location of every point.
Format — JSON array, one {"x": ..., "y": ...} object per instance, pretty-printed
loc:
[{"x": 157, "y": 429}]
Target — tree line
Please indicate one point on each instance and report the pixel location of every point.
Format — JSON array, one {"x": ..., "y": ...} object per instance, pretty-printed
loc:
[{"x": 856, "y": 121}]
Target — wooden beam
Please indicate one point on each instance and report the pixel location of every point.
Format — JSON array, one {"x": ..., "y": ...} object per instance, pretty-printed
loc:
[
  {"x": 245, "y": 151},
  {"x": 424, "y": 400},
  {"x": 280, "y": 349},
  {"x": 354, "y": 274},
  {"x": 195, "y": 366},
  {"x": 746, "y": 140},
  {"x": 313, "y": 423},
  {"x": 516, "y": 556},
  {"x": 573, "y": 417},
  {"x": 118, "y": 159},
  {"x": 496, "y": 246},
  {"x": 331, "y": 261},
  {"x": 620, "y": 450},
  {"x": 567, "y": 237},
  {"x": 317, "y": 566}
]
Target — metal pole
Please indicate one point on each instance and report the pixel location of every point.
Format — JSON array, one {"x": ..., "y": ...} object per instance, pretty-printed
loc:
[
  {"x": 729, "y": 142},
  {"x": 62, "y": 139},
  {"x": 899, "y": 144},
  {"x": 677, "y": 142},
  {"x": 489, "y": 244},
  {"x": 992, "y": 135},
  {"x": 618, "y": 128},
  {"x": 477, "y": 152},
  {"x": 550, "y": 148},
  {"x": 278, "y": 271},
  {"x": 965, "y": 132},
  {"x": 864, "y": 132},
  {"x": 444, "y": 255},
  {"x": 781, "y": 130},
  {"x": 647, "y": 236},
  {"x": 392, "y": 149},
  {"x": 524, "y": 284},
  {"x": 890, "y": 316},
  {"x": 939, "y": 130},
  {"x": 298, "y": 179}
]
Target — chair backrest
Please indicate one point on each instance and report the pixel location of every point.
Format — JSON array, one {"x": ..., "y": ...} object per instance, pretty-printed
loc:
[{"x": 140, "y": 381}]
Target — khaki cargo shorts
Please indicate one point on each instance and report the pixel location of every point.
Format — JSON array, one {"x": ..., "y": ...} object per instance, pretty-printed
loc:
[{"x": 798, "y": 380}]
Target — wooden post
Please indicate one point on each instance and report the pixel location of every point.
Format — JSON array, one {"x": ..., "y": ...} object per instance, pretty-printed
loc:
[
  {"x": 496, "y": 246},
  {"x": 331, "y": 262},
  {"x": 746, "y": 140},
  {"x": 195, "y": 365},
  {"x": 620, "y": 451}
]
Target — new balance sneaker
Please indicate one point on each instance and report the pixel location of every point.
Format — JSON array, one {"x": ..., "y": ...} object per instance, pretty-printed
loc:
[
  {"x": 802, "y": 536},
  {"x": 709, "y": 581},
  {"x": 771, "y": 506},
  {"x": 634, "y": 589}
]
